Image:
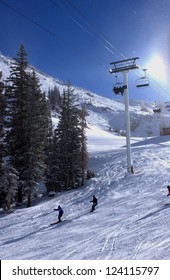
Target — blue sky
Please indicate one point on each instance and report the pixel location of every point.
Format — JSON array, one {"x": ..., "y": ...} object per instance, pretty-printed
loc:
[{"x": 77, "y": 39}]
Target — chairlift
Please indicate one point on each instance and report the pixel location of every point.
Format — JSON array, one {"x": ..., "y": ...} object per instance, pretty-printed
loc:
[
  {"x": 157, "y": 110},
  {"x": 118, "y": 87},
  {"x": 143, "y": 81}
]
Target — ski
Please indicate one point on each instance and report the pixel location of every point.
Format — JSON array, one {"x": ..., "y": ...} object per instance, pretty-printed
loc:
[{"x": 55, "y": 223}]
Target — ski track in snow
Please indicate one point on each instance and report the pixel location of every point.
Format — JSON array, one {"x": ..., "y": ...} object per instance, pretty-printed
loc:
[{"x": 131, "y": 220}]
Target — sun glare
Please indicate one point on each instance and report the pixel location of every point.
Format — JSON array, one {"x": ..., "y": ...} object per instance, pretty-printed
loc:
[{"x": 156, "y": 68}]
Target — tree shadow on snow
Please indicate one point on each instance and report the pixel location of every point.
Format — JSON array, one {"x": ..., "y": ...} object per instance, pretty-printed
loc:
[
  {"x": 164, "y": 207},
  {"x": 157, "y": 140},
  {"x": 36, "y": 232}
]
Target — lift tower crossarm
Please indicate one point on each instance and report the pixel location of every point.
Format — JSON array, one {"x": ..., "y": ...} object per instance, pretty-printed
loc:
[{"x": 124, "y": 65}]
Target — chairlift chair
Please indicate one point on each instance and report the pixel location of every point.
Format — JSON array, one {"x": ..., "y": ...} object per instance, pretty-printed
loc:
[
  {"x": 118, "y": 87},
  {"x": 143, "y": 81}
]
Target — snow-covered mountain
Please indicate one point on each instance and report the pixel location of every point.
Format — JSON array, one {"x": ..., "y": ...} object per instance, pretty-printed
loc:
[
  {"x": 105, "y": 113},
  {"x": 131, "y": 220}
]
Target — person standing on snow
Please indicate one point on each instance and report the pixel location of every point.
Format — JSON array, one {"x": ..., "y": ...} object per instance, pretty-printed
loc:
[
  {"x": 168, "y": 187},
  {"x": 94, "y": 200},
  {"x": 60, "y": 213}
]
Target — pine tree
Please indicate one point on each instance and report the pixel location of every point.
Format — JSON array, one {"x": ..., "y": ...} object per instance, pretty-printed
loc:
[
  {"x": 2, "y": 110},
  {"x": 8, "y": 186},
  {"x": 53, "y": 181},
  {"x": 8, "y": 175},
  {"x": 17, "y": 97},
  {"x": 68, "y": 141},
  {"x": 28, "y": 135},
  {"x": 2, "y": 113},
  {"x": 54, "y": 98},
  {"x": 66, "y": 166},
  {"x": 84, "y": 153},
  {"x": 37, "y": 131}
]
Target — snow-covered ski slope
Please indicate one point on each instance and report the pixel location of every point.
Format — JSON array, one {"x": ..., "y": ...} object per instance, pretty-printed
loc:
[{"x": 131, "y": 221}]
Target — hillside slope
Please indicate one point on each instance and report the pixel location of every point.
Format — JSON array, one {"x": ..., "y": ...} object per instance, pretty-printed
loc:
[
  {"x": 106, "y": 113},
  {"x": 131, "y": 220}
]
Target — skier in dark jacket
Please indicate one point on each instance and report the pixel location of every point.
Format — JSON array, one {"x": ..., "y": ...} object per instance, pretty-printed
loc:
[
  {"x": 60, "y": 213},
  {"x": 168, "y": 187},
  {"x": 94, "y": 200}
]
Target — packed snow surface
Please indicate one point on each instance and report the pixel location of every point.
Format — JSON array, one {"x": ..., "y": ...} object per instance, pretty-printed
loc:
[{"x": 131, "y": 220}]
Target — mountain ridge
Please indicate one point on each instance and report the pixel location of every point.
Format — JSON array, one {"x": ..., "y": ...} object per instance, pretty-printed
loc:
[{"x": 109, "y": 114}]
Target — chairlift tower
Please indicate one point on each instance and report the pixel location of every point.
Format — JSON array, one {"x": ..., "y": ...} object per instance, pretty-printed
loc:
[{"x": 124, "y": 66}]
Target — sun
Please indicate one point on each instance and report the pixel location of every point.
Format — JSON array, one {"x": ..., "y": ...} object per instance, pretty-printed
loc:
[{"x": 156, "y": 68}]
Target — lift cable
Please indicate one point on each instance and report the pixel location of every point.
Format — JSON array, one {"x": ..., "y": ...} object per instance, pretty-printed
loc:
[
  {"x": 116, "y": 51},
  {"x": 154, "y": 84},
  {"x": 50, "y": 32},
  {"x": 91, "y": 26}
]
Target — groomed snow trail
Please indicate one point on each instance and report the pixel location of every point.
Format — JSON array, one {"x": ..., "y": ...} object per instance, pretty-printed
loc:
[{"x": 131, "y": 220}]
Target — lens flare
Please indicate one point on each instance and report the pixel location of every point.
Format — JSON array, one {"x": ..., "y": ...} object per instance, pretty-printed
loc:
[{"x": 156, "y": 68}]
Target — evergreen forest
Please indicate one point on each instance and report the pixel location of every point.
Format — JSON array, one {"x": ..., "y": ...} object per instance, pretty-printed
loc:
[{"x": 32, "y": 150}]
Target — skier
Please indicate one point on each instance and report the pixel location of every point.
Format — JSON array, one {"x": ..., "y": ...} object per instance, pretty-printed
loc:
[
  {"x": 94, "y": 200},
  {"x": 60, "y": 213},
  {"x": 168, "y": 187}
]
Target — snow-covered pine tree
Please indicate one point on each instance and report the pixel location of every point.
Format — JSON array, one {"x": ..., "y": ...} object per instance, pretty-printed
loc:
[
  {"x": 37, "y": 129},
  {"x": 54, "y": 98},
  {"x": 8, "y": 187},
  {"x": 8, "y": 175},
  {"x": 17, "y": 97},
  {"x": 58, "y": 163},
  {"x": 27, "y": 137},
  {"x": 2, "y": 113},
  {"x": 84, "y": 153},
  {"x": 53, "y": 170},
  {"x": 65, "y": 169}
]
